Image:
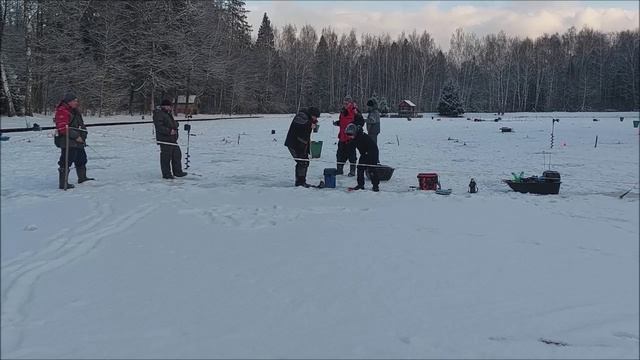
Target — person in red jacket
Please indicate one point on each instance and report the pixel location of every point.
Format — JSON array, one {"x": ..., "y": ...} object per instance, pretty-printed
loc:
[
  {"x": 69, "y": 117},
  {"x": 346, "y": 150}
]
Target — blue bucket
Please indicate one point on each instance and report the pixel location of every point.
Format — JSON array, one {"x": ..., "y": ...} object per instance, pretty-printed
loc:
[{"x": 330, "y": 177}]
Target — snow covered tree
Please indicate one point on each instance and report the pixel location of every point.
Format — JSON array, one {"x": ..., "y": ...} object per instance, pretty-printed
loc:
[
  {"x": 265, "y": 54},
  {"x": 321, "y": 78},
  {"x": 383, "y": 106},
  {"x": 450, "y": 104}
]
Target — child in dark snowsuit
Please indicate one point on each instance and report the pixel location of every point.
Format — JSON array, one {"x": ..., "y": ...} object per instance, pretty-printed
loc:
[{"x": 369, "y": 156}]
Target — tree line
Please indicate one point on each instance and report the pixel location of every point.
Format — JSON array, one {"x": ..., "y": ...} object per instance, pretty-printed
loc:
[{"x": 125, "y": 56}]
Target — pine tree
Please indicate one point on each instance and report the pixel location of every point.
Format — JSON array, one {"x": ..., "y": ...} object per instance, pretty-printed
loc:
[
  {"x": 241, "y": 30},
  {"x": 450, "y": 104},
  {"x": 383, "y": 106},
  {"x": 322, "y": 68},
  {"x": 265, "y": 55},
  {"x": 265, "y": 35}
]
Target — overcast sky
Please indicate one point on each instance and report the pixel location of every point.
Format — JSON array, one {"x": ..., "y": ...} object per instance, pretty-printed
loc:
[{"x": 441, "y": 18}]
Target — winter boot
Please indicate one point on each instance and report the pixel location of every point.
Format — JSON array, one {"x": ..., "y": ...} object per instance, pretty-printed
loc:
[
  {"x": 62, "y": 178},
  {"x": 302, "y": 181},
  {"x": 358, "y": 187},
  {"x": 352, "y": 170},
  {"x": 82, "y": 174},
  {"x": 375, "y": 179},
  {"x": 180, "y": 174}
]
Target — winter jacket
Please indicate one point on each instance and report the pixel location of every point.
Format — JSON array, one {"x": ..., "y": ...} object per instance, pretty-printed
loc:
[
  {"x": 358, "y": 119},
  {"x": 373, "y": 122},
  {"x": 367, "y": 148},
  {"x": 68, "y": 116},
  {"x": 164, "y": 123},
  {"x": 299, "y": 134},
  {"x": 347, "y": 115}
]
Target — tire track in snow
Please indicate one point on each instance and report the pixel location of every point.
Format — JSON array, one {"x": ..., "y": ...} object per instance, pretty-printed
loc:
[
  {"x": 96, "y": 216},
  {"x": 61, "y": 252}
]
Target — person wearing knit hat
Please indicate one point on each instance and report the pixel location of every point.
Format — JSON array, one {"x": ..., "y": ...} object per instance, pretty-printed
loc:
[
  {"x": 167, "y": 137},
  {"x": 68, "y": 118},
  {"x": 69, "y": 97},
  {"x": 298, "y": 141},
  {"x": 369, "y": 156}
]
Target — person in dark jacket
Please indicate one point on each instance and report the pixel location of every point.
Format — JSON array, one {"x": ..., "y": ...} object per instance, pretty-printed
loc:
[
  {"x": 299, "y": 141},
  {"x": 368, "y": 156},
  {"x": 167, "y": 137},
  {"x": 68, "y": 117},
  {"x": 373, "y": 120},
  {"x": 345, "y": 149}
]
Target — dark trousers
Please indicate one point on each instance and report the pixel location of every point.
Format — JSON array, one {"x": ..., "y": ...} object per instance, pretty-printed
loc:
[
  {"x": 77, "y": 156},
  {"x": 371, "y": 171},
  {"x": 346, "y": 150},
  {"x": 170, "y": 158},
  {"x": 301, "y": 165}
]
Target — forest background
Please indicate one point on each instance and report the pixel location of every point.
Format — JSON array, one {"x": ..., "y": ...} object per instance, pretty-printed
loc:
[{"x": 125, "y": 56}]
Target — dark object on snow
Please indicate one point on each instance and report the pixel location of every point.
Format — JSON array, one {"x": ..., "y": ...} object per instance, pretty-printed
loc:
[
  {"x": 4, "y": 138},
  {"x": 330, "y": 177},
  {"x": 473, "y": 188},
  {"x": 384, "y": 172},
  {"x": 273, "y": 132},
  {"x": 443, "y": 191},
  {"x": 621, "y": 118},
  {"x": 497, "y": 119},
  {"x": 428, "y": 181},
  {"x": 36, "y": 127},
  {"x": 505, "y": 129},
  {"x": 547, "y": 184},
  {"x": 595, "y": 119},
  {"x": 187, "y": 127},
  {"x": 551, "y": 342}
]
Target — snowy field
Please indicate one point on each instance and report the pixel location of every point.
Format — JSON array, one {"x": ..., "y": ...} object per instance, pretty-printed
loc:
[{"x": 234, "y": 262}]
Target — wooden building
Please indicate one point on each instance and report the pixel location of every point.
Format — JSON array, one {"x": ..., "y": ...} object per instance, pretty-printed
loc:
[
  {"x": 188, "y": 108},
  {"x": 407, "y": 109}
]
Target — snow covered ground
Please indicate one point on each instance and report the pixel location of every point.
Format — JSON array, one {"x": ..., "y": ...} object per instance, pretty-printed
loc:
[{"x": 234, "y": 262}]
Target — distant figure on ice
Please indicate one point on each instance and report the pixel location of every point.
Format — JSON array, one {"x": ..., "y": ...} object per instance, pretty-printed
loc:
[
  {"x": 368, "y": 156},
  {"x": 68, "y": 114},
  {"x": 346, "y": 149},
  {"x": 167, "y": 138},
  {"x": 373, "y": 120},
  {"x": 298, "y": 141}
]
